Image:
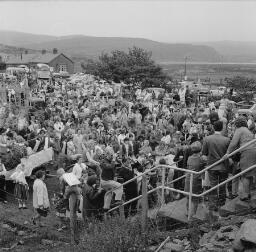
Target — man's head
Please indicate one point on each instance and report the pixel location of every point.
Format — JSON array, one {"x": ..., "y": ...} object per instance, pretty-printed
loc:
[{"x": 218, "y": 126}]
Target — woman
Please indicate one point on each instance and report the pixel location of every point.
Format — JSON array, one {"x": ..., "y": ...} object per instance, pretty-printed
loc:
[
  {"x": 2, "y": 182},
  {"x": 242, "y": 136},
  {"x": 21, "y": 185},
  {"x": 40, "y": 198}
]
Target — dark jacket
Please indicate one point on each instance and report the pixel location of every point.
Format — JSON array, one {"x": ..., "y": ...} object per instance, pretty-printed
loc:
[
  {"x": 108, "y": 170},
  {"x": 215, "y": 147}
]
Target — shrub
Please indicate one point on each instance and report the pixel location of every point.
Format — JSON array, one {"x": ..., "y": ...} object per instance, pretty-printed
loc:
[{"x": 116, "y": 235}]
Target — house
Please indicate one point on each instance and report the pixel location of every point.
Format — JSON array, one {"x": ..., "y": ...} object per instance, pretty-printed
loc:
[{"x": 58, "y": 62}]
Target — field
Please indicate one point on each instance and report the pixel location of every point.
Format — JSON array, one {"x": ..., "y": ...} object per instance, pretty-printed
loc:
[{"x": 209, "y": 71}]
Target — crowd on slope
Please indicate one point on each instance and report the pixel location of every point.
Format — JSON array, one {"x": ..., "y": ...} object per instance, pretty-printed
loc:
[{"x": 102, "y": 138}]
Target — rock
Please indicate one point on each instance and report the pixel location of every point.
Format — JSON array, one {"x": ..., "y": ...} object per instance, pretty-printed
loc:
[
  {"x": 174, "y": 247},
  {"x": 46, "y": 242},
  {"x": 246, "y": 236},
  {"x": 206, "y": 238},
  {"x": 21, "y": 233},
  {"x": 26, "y": 223}
]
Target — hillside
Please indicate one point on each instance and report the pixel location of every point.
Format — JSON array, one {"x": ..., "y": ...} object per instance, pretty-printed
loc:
[
  {"x": 235, "y": 51},
  {"x": 80, "y": 46}
]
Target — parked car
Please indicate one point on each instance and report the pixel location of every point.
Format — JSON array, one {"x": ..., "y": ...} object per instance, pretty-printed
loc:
[{"x": 218, "y": 92}]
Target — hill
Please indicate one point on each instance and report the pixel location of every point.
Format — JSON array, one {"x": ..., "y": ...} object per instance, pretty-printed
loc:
[
  {"x": 235, "y": 51},
  {"x": 80, "y": 46}
]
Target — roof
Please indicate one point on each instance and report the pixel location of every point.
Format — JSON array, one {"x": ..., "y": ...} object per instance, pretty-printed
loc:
[{"x": 33, "y": 58}]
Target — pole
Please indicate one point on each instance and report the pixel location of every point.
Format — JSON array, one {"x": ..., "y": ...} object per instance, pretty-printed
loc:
[
  {"x": 190, "y": 196},
  {"x": 163, "y": 180},
  {"x": 144, "y": 213}
]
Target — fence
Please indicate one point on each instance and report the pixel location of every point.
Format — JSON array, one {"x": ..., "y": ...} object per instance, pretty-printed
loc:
[{"x": 190, "y": 194}]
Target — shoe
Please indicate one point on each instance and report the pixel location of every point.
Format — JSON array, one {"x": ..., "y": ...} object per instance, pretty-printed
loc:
[
  {"x": 5, "y": 201},
  {"x": 24, "y": 207},
  {"x": 20, "y": 206}
]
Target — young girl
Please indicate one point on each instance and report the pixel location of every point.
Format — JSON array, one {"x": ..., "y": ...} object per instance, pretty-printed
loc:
[
  {"x": 21, "y": 185},
  {"x": 40, "y": 198},
  {"x": 195, "y": 163}
]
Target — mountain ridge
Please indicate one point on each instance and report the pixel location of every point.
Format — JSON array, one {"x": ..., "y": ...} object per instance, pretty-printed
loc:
[{"x": 90, "y": 47}]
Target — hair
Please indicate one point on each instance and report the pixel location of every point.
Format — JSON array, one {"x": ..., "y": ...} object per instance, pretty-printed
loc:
[
  {"x": 162, "y": 161},
  {"x": 218, "y": 125},
  {"x": 196, "y": 147},
  {"x": 241, "y": 122},
  {"x": 40, "y": 174}
]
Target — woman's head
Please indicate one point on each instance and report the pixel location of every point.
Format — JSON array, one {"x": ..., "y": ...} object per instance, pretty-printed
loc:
[{"x": 241, "y": 122}]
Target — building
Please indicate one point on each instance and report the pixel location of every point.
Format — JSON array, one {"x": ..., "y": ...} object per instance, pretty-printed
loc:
[{"x": 58, "y": 62}]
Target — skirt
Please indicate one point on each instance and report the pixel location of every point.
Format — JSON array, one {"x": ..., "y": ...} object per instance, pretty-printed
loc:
[
  {"x": 21, "y": 191},
  {"x": 247, "y": 159}
]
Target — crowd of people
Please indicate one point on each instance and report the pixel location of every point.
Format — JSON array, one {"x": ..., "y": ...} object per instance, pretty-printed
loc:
[{"x": 103, "y": 136}]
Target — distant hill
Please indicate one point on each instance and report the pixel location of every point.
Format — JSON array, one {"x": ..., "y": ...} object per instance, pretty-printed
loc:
[
  {"x": 80, "y": 46},
  {"x": 234, "y": 51}
]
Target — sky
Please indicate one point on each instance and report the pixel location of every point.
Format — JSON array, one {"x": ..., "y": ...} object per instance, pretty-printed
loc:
[{"x": 166, "y": 21}]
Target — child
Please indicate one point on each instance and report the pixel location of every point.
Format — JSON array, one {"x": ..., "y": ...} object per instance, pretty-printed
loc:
[
  {"x": 2, "y": 182},
  {"x": 195, "y": 163},
  {"x": 40, "y": 198},
  {"x": 21, "y": 185}
]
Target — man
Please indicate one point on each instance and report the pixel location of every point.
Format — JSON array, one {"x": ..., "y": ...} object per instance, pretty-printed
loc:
[
  {"x": 108, "y": 182},
  {"x": 126, "y": 149},
  {"x": 215, "y": 147}
]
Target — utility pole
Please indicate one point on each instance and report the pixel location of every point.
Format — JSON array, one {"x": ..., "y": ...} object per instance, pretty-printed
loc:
[{"x": 185, "y": 70}]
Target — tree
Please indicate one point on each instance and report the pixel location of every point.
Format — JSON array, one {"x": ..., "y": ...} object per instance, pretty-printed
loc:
[
  {"x": 43, "y": 51},
  {"x": 134, "y": 66},
  {"x": 240, "y": 83}
]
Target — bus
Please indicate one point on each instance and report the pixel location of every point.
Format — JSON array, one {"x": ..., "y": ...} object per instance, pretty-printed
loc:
[{"x": 43, "y": 71}]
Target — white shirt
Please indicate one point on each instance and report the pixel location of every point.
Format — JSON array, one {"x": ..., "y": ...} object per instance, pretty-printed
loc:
[
  {"x": 78, "y": 169},
  {"x": 40, "y": 194}
]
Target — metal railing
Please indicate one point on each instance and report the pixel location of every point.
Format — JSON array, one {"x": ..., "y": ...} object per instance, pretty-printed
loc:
[{"x": 190, "y": 194}]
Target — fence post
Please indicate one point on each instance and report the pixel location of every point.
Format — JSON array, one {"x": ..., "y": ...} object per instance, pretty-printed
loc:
[
  {"x": 144, "y": 203},
  {"x": 190, "y": 196},
  {"x": 163, "y": 180}
]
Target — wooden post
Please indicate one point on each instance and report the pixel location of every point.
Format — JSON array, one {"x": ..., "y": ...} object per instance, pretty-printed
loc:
[
  {"x": 121, "y": 212},
  {"x": 163, "y": 182},
  {"x": 144, "y": 202},
  {"x": 190, "y": 196}
]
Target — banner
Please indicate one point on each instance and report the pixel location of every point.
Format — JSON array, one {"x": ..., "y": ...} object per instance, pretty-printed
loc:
[{"x": 33, "y": 161}]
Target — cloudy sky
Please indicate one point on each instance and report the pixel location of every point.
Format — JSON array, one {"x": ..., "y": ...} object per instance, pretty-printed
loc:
[{"x": 168, "y": 21}]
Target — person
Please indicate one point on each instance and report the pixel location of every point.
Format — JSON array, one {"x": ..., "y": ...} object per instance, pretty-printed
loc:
[
  {"x": 79, "y": 168},
  {"x": 69, "y": 185},
  {"x": 126, "y": 173},
  {"x": 242, "y": 136},
  {"x": 195, "y": 163},
  {"x": 108, "y": 182},
  {"x": 214, "y": 148},
  {"x": 93, "y": 198},
  {"x": 126, "y": 149},
  {"x": 2, "y": 183},
  {"x": 21, "y": 186},
  {"x": 41, "y": 202}
]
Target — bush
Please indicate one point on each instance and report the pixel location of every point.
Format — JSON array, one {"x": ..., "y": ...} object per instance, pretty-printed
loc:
[{"x": 116, "y": 235}]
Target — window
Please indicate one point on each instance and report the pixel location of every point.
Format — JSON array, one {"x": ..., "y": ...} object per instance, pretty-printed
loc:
[{"x": 63, "y": 68}]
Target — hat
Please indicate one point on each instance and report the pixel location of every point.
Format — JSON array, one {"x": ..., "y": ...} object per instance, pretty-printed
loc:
[
  {"x": 196, "y": 146},
  {"x": 91, "y": 180}
]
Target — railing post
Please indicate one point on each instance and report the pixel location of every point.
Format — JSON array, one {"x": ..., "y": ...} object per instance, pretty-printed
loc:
[
  {"x": 163, "y": 182},
  {"x": 190, "y": 196},
  {"x": 144, "y": 203}
]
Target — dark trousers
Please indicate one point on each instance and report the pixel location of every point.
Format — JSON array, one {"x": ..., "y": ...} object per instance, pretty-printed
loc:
[
  {"x": 217, "y": 197},
  {"x": 131, "y": 208},
  {"x": 2, "y": 188}
]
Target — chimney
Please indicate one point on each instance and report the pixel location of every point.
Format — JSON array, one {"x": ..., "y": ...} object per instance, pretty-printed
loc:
[{"x": 55, "y": 51}]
